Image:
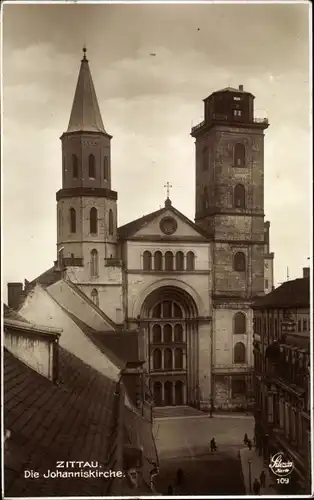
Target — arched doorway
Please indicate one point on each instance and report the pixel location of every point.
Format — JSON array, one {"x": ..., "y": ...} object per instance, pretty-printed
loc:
[
  {"x": 157, "y": 393},
  {"x": 169, "y": 318},
  {"x": 168, "y": 393},
  {"x": 179, "y": 398}
]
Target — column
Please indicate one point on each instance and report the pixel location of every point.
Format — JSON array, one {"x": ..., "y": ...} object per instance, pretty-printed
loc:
[
  {"x": 184, "y": 394},
  {"x": 173, "y": 358},
  {"x": 162, "y": 393},
  {"x": 173, "y": 394}
]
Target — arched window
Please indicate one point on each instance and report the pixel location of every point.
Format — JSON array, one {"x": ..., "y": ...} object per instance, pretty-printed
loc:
[
  {"x": 167, "y": 334},
  {"x": 178, "y": 359},
  {"x": 74, "y": 166},
  {"x": 180, "y": 261},
  {"x": 95, "y": 297},
  {"x": 239, "y": 155},
  {"x": 91, "y": 167},
  {"x": 106, "y": 169},
  {"x": 168, "y": 393},
  {"x": 177, "y": 311},
  {"x": 190, "y": 261},
  {"x": 157, "y": 390},
  {"x": 93, "y": 222},
  {"x": 59, "y": 221},
  {"x": 72, "y": 220},
  {"x": 157, "y": 359},
  {"x": 178, "y": 333},
  {"x": 239, "y": 323},
  {"x": 205, "y": 199},
  {"x": 168, "y": 359},
  {"x": 169, "y": 261},
  {"x": 205, "y": 158},
  {"x": 157, "y": 311},
  {"x": 239, "y": 196},
  {"x": 156, "y": 334},
  {"x": 158, "y": 261},
  {"x": 239, "y": 353},
  {"x": 94, "y": 263},
  {"x": 147, "y": 260},
  {"x": 179, "y": 393},
  {"x": 110, "y": 216},
  {"x": 239, "y": 262}
]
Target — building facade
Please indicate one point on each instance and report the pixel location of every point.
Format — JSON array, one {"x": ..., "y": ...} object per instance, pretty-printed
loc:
[
  {"x": 282, "y": 327},
  {"x": 187, "y": 287}
]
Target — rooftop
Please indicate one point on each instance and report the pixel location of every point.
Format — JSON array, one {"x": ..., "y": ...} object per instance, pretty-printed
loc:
[
  {"x": 291, "y": 294},
  {"x": 70, "y": 420}
]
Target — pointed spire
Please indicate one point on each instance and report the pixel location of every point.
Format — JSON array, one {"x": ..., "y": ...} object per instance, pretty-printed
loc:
[{"x": 85, "y": 114}]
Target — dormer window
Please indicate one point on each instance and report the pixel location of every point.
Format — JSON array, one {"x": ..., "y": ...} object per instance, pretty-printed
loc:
[{"x": 237, "y": 98}]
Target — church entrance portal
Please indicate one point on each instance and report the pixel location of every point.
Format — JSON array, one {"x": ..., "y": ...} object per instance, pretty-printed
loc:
[{"x": 169, "y": 319}]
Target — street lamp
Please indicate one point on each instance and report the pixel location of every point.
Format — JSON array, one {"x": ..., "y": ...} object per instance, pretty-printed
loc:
[{"x": 250, "y": 476}]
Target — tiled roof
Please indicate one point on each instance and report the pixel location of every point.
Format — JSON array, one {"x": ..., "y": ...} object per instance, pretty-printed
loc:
[
  {"x": 47, "y": 278},
  {"x": 94, "y": 337},
  {"x": 85, "y": 114},
  {"x": 122, "y": 344},
  {"x": 71, "y": 420},
  {"x": 9, "y": 313},
  {"x": 295, "y": 293}
]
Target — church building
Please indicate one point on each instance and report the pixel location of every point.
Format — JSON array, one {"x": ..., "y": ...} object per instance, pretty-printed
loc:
[{"x": 186, "y": 287}]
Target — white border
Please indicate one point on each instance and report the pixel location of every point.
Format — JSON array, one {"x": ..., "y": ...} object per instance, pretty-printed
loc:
[{"x": 166, "y": 2}]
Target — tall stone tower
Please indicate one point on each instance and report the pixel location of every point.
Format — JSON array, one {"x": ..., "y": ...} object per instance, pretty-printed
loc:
[
  {"x": 230, "y": 207},
  {"x": 86, "y": 204}
]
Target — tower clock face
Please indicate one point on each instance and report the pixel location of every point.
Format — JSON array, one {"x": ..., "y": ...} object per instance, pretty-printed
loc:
[{"x": 168, "y": 225}]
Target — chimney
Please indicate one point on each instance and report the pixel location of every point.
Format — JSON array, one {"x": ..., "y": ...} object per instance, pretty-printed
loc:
[
  {"x": 241, "y": 88},
  {"x": 15, "y": 294},
  {"x": 306, "y": 272}
]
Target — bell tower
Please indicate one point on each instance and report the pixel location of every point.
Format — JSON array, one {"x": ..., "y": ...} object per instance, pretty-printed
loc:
[
  {"x": 229, "y": 149},
  {"x": 86, "y": 204}
]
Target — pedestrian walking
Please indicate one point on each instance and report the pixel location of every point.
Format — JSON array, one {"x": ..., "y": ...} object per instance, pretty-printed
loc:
[
  {"x": 170, "y": 490},
  {"x": 249, "y": 443},
  {"x": 179, "y": 476},
  {"x": 256, "y": 486},
  {"x": 262, "y": 479},
  {"x": 245, "y": 439},
  {"x": 213, "y": 446}
]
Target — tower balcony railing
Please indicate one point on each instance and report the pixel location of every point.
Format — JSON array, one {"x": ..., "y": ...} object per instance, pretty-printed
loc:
[{"x": 221, "y": 118}]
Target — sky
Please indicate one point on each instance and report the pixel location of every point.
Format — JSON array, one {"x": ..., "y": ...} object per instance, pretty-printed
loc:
[{"x": 148, "y": 104}]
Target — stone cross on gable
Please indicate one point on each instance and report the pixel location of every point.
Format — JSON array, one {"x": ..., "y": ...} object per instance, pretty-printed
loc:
[{"x": 168, "y": 186}]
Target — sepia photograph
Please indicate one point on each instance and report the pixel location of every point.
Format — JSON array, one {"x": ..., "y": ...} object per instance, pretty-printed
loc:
[{"x": 156, "y": 249}]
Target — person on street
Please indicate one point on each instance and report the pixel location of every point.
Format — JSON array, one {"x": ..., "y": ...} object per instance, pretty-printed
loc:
[
  {"x": 170, "y": 490},
  {"x": 262, "y": 479},
  {"x": 213, "y": 446},
  {"x": 179, "y": 476},
  {"x": 245, "y": 439},
  {"x": 249, "y": 443},
  {"x": 256, "y": 486}
]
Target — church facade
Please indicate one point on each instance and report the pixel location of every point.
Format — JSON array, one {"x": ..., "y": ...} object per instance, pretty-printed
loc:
[{"x": 186, "y": 287}]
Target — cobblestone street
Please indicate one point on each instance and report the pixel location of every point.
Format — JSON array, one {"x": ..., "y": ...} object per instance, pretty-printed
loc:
[{"x": 184, "y": 442}]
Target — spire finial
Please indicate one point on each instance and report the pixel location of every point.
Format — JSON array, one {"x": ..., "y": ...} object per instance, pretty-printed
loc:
[
  {"x": 84, "y": 52},
  {"x": 168, "y": 201}
]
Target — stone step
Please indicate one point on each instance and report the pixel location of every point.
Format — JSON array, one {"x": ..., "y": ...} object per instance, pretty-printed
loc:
[{"x": 175, "y": 411}]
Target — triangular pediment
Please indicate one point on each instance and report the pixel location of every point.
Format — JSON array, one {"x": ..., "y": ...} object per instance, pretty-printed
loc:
[{"x": 166, "y": 223}]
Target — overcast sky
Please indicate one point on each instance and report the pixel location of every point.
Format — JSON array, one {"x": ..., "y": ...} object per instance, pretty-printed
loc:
[{"x": 148, "y": 104}]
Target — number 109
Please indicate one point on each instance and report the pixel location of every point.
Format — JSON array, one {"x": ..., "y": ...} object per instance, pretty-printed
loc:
[{"x": 283, "y": 480}]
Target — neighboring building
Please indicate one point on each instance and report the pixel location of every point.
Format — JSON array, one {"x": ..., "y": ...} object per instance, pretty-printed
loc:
[
  {"x": 282, "y": 377},
  {"x": 187, "y": 287},
  {"x": 60, "y": 408},
  {"x": 268, "y": 261}
]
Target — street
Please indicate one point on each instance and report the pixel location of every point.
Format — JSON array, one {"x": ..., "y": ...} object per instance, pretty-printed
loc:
[{"x": 184, "y": 442}]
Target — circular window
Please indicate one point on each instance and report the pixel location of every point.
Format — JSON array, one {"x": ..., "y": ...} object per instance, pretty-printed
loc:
[{"x": 168, "y": 225}]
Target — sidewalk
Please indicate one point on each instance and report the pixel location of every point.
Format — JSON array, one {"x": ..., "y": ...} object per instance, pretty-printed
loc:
[{"x": 257, "y": 465}]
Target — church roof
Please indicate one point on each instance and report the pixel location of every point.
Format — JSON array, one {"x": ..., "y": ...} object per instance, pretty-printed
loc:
[
  {"x": 129, "y": 229},
  {"x": 85, "y": 114},
  {"x": 291, "y": 294},
  {"x": 70, "y": 420}
]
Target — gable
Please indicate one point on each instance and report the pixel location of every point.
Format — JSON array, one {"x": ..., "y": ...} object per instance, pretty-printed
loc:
[{"x": 170, "y": 219}]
